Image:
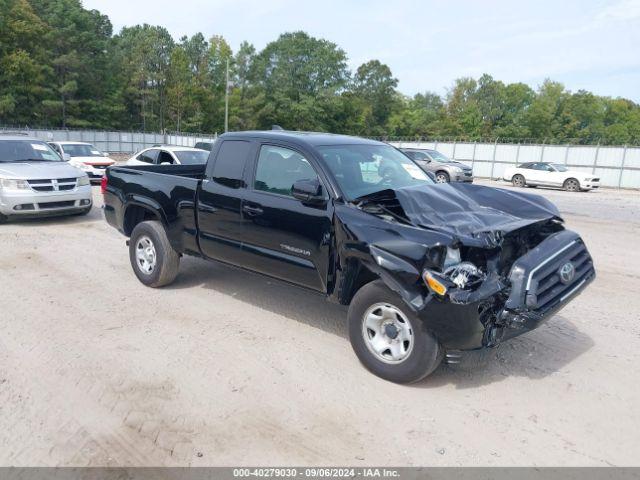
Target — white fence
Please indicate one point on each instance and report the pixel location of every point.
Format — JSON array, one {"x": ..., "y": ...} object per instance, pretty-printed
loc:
[
  {"x": 117, "y": 142},
  {"x": 615, "y": 166}
]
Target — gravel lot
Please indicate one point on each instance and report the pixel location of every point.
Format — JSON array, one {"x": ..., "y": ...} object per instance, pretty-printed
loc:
[{"x": 228, "y": 368}]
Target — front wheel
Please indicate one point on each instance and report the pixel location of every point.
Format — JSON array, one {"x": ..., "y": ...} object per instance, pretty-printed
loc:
[
  {"x": 388, "y": 337},
  {"x": 442, "y": 177},
  {"x": 571, "y": 185},
  {"x": 152, "y": 257}
]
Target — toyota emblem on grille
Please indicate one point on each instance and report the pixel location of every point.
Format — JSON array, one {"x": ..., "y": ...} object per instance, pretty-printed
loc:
[{"x": 567, "y": 272}]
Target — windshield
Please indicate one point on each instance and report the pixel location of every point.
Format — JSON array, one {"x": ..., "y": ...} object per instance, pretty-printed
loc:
[
  {"x": 191, "y": 157},
  {"x": 439, "y": 157},
  {"x": 560, "y": 168},
  {"x": 81, "y": 150},
  {"x": 21, "y": 150},
  {"x": 364, "y": 169}
]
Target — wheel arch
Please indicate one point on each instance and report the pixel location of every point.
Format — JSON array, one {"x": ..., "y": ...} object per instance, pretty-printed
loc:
[
  {"x": 137, "y": 211},
  {"x": 391, "y": 270},
  {"x": 571, "y": 178}
]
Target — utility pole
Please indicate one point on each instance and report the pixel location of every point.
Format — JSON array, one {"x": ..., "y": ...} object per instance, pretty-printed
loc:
[{"x": 226, "y": 100}]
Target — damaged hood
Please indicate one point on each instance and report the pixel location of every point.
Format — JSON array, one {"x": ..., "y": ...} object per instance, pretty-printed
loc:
[{"x": 475, "y": 213}]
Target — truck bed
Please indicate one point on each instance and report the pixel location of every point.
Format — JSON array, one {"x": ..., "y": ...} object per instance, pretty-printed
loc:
[{"x": 168, "y": 190}]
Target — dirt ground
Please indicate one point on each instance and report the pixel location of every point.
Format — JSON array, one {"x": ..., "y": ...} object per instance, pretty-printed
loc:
[{"x": 229, "y": 368}]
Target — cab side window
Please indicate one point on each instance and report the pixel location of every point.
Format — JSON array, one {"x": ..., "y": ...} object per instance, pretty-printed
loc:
[{"x": 279, "y": 168}]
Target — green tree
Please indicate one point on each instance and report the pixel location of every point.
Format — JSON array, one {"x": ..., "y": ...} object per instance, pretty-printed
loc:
[
  {"x": 375, "y": 85},
  {"x": 22, "y": 68},
  {"x": 298, "y": 75}
]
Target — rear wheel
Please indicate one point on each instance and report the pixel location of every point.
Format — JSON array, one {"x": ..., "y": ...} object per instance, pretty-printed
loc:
[
  {"x": 388, "y": 337},
  {"x": 442, "y": 177},
  {"x": 518, "y": 181},
  {"x": 152, "y": 257},
  {"x": 571, "y": 185}
]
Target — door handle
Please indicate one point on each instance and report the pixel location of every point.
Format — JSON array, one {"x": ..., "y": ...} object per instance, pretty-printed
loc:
[{"x": 252, "y": 211}]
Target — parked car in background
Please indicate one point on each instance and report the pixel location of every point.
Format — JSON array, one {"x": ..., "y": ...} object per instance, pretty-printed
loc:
[
  {"x": 169, "y": 155},
  {"x": 35, "y": 181},
  {"x": 550, "y": 175},
  {"x": 208, "y": 146},
  {"x": 443, "y": 168},
  {"x": 84, "y": 156}
]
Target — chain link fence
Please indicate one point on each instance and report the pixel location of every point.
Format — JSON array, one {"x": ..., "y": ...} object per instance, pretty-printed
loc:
[
  {"x": 616, "y": 166},
  {"x": 115, "y": 141}
]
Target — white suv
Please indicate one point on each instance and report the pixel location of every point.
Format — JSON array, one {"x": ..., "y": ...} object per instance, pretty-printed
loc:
[
  {"x": 36, "y": 182},
  {"x": 84, "y": 156}
]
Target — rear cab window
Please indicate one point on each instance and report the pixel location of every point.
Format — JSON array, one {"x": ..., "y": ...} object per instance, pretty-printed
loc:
[{"x": 230, "y": 162}]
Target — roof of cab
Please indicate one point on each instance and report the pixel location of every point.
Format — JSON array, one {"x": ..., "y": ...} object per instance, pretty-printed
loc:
[{"x": 313, "y": 139}]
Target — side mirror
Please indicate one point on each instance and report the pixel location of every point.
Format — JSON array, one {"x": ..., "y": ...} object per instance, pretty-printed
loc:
[
  {"x": 105, "y": 154},
  {"x": 165, "y": 163},
  {"x": 309, "y": 192},
  {"x": 66, "y": 157}
]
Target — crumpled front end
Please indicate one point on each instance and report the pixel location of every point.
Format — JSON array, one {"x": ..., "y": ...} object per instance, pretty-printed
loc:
[
  {"x": 503, "y": 305},
  {"x": 473, "y": 287}
]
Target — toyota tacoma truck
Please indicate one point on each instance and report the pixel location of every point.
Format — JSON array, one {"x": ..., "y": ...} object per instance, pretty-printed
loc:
[{"x": 426, "y": 269}]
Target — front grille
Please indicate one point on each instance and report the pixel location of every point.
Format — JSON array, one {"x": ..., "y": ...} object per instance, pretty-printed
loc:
[
  {"x": 546, "y": 289},
  {"x": 47, "y": 205},
  {"x": 52, "y": 185}
]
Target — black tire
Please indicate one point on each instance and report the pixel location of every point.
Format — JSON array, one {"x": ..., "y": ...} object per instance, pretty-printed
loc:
[
  {"x": 518, "y": 181},
  {"x": 442, "y": 177},
  {"x": 3, "y": 219},
  {"x": 166, "y": 259},
  {"x": 571, "y": 185},
  {"x": 425, "y": 354}
]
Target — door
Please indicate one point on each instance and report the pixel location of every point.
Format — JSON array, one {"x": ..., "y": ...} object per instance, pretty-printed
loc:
[
  {"x": 534, "y": 174},
  {"x": 220, "y": 201},
  {"x": 284, "y": 238}
]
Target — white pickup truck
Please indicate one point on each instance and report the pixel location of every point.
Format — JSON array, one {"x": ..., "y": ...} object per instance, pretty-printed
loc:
[{"x": 36, "y": 182}]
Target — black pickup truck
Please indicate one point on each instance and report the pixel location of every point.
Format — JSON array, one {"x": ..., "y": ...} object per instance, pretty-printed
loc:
[{"x": 427, "y": 269}]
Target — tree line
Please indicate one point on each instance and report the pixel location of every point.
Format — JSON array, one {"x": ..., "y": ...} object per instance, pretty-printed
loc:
[{"x": 61, "y": 65}]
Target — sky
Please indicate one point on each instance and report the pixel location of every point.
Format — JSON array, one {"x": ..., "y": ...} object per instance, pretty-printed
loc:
[{"x": 586, "y": 44}]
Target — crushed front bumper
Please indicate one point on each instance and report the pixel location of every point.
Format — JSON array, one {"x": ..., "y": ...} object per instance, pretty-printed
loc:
[
  {"x": 543, "y": 282},
  {"x": 540, "y": 284}
]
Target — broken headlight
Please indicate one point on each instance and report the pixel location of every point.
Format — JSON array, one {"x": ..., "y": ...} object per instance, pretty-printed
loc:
[{"x": 465, "y": 275}]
